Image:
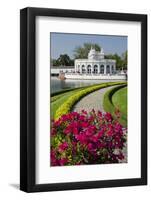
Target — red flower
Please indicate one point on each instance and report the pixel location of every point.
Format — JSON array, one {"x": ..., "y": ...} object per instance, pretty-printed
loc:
[
  {"x": 84, "y": 124},
  {"x": 100, "y": 133},
  {"x": 63, "y": 146},
  {"x": 63, "y": 161},
  {"x": 53, "y": 158},
  {"x": 53, "y": 131},
  {"x": 108, "y": 116},
  {"x": 67, "y": 130},
  {"x": 82, "y": 138},
  {"x": 94, "y": 138},
  {"x": 75, "y": 131},
  {"x": 84, "y": 112},
  {"x": 100, "y": 114},
  {"x": 91, "y": 147}
]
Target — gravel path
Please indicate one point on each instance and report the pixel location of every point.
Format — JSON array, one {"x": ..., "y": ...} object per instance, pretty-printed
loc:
[{"x": 91, "y": 101}]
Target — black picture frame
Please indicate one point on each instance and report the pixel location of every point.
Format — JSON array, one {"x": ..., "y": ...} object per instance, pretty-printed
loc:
[{"x": 28, "y": 99}]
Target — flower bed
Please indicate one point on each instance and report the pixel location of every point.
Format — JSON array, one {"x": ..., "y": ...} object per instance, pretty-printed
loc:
[{"x": 86, "y": 138}]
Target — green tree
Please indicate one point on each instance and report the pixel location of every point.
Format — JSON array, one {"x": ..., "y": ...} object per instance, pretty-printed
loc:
[
  {"x": 55, "y": 62},
  {"x": 117, "y": 58},
  {"x": 124, "y": 60},
  {"x": 64, "y": 60},
  {"x": 82, "y": 51},
  {"x": 121, "y": 61}
]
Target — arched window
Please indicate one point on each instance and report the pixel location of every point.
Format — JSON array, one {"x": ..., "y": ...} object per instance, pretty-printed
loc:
[
  {"x": 95, "y": 69},
  {"x": 108, "y": 69},
  {"x": 89, "y": 69},
  {"x": 83, "y": 69},
  {"x": 102, "y": 69}
]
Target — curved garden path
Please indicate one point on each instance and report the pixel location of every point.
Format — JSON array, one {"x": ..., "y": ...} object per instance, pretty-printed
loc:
[{"x": 91, "y": 101}]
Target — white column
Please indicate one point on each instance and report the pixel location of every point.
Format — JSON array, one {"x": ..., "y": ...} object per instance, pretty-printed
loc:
[
  {"x": 91, "y": 68},
  {"x": 114, "y": 69},
  {"x": 104, "y": 69},
  {"x": 80, "y": 69},
  {"x": 85, "y": 68},
  {"x": 98, "y": 69},
  {"x": 110, "y": 69},
  {"x": 75, "y": 66}
]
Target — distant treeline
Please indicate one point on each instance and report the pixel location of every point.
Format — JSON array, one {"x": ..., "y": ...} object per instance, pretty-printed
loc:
[{"x": 82, "y": 52}]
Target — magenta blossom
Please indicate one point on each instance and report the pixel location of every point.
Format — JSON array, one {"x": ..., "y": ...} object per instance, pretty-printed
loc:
[{"x": 63, "y": 146}]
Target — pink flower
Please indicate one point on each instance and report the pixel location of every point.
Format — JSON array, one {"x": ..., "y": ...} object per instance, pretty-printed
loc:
[
  {"x": 84, "y": 112},
  {"x": 75, "y": 114},
  {"x": 92, "y": 128},
  {"x": 82, "y": 138},
  {"x": 67, "y": 130},
  {"x": 118, "y": 128},
  {"x": 75, "y": 131},
  {"x": 121, "y": 156},
  {"x": 63, "y": 146},
  {"x": 53, "y": 131},
  {"x": 53, "y": 158},
  {"x": 81, "y": 118},
  {"x": 63, "y": 161},
  {"x": 91, "y": 147},
  {"x": 94, "y": 139},
  {"x": 57, "y": 123},
  {"x": 109, "y": 132},
  {"x": 84, "y": 124},
  {"x": 108, "y": 116},
  {"x": 88, "y": 132},
  {"x": 100, "y": 114},
  {"x": 100, "y": 133}
]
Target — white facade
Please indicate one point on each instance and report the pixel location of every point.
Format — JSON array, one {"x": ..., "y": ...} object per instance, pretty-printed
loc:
[{"x": 95, "y": 64}]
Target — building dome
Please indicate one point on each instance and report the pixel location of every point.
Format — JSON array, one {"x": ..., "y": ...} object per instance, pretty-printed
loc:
[
  {"x": 92, "y": 50},
  {"x": 97, "y": 55}
]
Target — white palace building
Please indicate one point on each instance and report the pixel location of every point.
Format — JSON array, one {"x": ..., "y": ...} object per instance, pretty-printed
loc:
[{"x": 95, "y": 67}]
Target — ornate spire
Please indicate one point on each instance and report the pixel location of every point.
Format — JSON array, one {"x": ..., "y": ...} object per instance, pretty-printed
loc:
[
  {"x": 91, "y": 48},
  {"x": 102, "y": 51}
]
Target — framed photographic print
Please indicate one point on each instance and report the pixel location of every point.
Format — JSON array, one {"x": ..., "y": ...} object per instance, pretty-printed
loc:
[{"x": 83, "y": 99}]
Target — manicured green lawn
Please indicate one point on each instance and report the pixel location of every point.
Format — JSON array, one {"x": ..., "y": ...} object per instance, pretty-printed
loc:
[
  {"x": 114, "y": 99},
  {"x": 119, "y": 100}
]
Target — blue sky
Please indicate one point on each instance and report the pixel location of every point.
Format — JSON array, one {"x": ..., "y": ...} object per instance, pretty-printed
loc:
[{"x": 65, "y": 43}]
